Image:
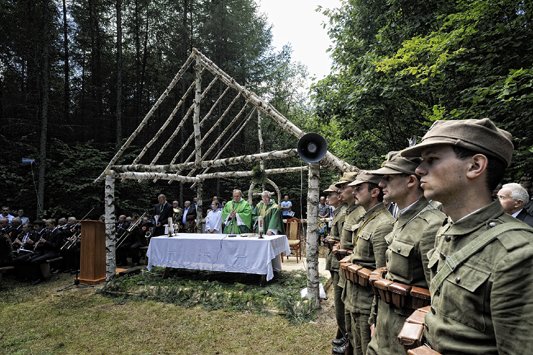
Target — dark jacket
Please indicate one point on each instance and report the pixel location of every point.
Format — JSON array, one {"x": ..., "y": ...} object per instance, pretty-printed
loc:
[{"x": 525, "y": 217}]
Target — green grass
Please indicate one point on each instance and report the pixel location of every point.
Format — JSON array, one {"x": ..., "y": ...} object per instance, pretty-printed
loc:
[{"x": 41, "y": 320}]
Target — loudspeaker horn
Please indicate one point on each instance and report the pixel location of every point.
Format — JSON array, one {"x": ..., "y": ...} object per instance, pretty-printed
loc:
[{"x": 312, "y": 147}]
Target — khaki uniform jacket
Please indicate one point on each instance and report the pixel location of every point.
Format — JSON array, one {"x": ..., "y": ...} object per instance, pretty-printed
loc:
[
  {"x": 352, "y": 216},
  {"x": 369, "y": 251},
  {"x": 335, "y": 233},
  {"x": 412, "y": 237},
  {"x": 486, "y": 305}
]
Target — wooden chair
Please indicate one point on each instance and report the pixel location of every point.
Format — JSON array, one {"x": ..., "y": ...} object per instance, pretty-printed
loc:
[{"x": 293, "y": 231}]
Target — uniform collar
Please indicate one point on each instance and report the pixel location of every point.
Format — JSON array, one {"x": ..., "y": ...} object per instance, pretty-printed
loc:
[
  {"x": 412, "y": 211},
  {"x": 475, "y": 220}
]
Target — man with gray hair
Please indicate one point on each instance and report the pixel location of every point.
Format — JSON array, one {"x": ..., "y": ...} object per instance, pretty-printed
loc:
[
  {"x": 270, "y": 212},
  {"x": 513, "y": 197}
]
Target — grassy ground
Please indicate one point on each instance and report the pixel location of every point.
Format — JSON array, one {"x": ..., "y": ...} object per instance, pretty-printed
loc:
[{"x": 41, "y": 320}]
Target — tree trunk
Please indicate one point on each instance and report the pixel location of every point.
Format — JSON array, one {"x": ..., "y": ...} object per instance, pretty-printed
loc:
[
  {"x": 313, "y": 193},
  {"x": 66, "y": 68},
  {"x": 110, "y": 240},
  {"x": 119, "y": 73},
  {"x": 44, "y": 110}
]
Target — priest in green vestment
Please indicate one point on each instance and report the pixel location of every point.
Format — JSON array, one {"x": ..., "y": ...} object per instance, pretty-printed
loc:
[
  {"x": 271, "y": 214},
  {"x": 237, "y": 215}
]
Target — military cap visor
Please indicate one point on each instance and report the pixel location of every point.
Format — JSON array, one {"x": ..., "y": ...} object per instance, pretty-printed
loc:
[
  {"x": 396, "y": 164},
  {"x": 346, "y": 178},
  {"x": 366, "y": 177},
  {"x": 331, "y": 189},
  {"x": 480, "y": 136}
]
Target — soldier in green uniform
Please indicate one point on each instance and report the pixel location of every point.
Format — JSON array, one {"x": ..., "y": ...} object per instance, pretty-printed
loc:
[
  {"x": 369, "y": 248},
  {"x": 482, "y": 262},
  {"x": 353, "y": 213},
  {"x": 412, "y": 237},
  {"x": 332, "y": 264}
]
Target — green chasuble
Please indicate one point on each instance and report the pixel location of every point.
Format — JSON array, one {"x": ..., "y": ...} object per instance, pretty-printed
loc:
[
  {"x": 271, "y": 217},
  {"x": 244, "y": 214}
]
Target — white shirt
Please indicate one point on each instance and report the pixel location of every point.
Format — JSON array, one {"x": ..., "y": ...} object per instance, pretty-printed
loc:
[{"x": 213, "y": 221}]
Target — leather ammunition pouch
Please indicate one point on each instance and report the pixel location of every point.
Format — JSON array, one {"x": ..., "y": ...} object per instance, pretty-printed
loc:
[
  {"x": 413, "y": 329},
  {"x": 399, "y": 294},
  {"x": 420, "y": 297},
  {"x": 351, "y": 272},
  {"x": 422, "y": 350},
  {"x": 363, "y": 276},
  {"x": 341, "y": 253},
  {"x": 411, "y": 335},
  {"x": 382, "y": 287}
]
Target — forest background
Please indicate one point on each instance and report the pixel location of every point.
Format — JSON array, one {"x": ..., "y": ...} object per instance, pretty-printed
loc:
[{"x": 77, "y": 77}]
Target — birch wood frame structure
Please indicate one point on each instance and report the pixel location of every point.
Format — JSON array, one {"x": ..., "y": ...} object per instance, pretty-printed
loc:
[{"x": 146, "y": 167}]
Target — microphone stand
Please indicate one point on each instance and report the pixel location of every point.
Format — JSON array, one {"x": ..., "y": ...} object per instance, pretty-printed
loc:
[{"x": 76, "y": 283}]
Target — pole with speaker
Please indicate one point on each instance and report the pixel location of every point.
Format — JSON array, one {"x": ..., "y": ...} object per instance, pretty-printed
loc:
[{"x": 312, "y": 148}]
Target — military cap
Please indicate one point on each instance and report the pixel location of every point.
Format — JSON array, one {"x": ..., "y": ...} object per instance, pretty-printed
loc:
[
  {"x": 396, "y": 164},
  {"x": 478, "y": 135},
  {"x": 346, "y": 178},
  {"x": 365, "y": 176},
  {"x": 332, "y": 188}
]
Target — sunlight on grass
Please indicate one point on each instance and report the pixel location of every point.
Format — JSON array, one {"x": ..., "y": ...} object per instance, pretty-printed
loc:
[{"x": 41, "y": 320}]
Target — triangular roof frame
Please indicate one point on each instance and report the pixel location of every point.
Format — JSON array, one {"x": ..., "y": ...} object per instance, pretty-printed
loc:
[{"x": 172, "y": 170}]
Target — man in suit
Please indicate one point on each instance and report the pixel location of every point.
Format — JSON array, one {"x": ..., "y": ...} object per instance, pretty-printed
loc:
[
  {"x": 188, "y": 218},
  {"x": 513, "y": 197},
  {"x": 163, "y": 210}
]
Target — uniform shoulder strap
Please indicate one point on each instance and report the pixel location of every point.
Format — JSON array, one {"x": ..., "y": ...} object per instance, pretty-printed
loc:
[{"x": 455, "y": 260}]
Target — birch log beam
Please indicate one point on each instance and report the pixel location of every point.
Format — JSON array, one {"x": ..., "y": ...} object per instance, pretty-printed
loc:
[
  {"x": 274, "y": 155},
  {"x": 196, "y": 115},
  {"x": 164, "y": 126},
  {"x": 110, "y": 240},
  {"x": 268, "y": 110},
  {"x": 313, "y": 192},
  {"x": 163, "y": 96},
  {"x": 237, "y": 174},
  {"x": 158, "y": 176}
]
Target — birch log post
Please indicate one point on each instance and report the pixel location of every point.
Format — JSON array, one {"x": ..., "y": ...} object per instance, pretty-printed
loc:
[
  {"x": 199, "y": 198},
  {"x": 312, "y": 235},
  {"x": 110, "y": 240},
  {"x": 261, "y": 143},
  {"x": 163, "y": 96},
  {"x": 196, "y": 115}
]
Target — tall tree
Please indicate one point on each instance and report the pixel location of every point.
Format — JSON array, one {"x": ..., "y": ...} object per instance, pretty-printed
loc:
[
  {"x": 45, "y": 72},
  {"x": 66, "y": 66},
  {"x": 119, "y": 73}
]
